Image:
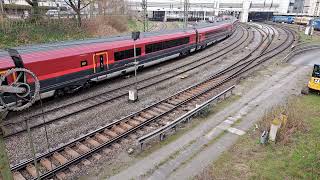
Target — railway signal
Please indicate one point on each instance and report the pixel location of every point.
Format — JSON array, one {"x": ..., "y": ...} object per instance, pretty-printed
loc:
[{"x": 133, "y": 94}]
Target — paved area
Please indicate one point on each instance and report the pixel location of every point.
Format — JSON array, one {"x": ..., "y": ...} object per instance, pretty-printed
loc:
[{"x": 195, "y": 150}]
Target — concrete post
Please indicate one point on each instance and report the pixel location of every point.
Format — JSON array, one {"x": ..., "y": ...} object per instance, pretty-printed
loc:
[
  {"x": 245, "y": 11},
  {"x": 216, "y": 12},
  {"x": 165, "y": 16}
]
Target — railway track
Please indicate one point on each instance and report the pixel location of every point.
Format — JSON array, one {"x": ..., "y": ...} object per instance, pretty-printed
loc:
[
  {"x": 62, "y": 159},
  {"x": 71, "y": 109}
]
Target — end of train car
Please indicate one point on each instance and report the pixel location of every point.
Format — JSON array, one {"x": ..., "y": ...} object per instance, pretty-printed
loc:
[{"x": 283, "y": 19}]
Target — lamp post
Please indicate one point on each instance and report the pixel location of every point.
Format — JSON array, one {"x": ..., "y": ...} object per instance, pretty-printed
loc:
[{"x": 133, "y": 94}]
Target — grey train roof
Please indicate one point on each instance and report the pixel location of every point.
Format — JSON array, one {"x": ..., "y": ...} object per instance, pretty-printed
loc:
[{"x": 63, "y": 44}]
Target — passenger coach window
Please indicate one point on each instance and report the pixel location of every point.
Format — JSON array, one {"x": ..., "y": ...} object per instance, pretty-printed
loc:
[
  {"x": 166, "y": 44},
  {"x": 126, "y": 54}
]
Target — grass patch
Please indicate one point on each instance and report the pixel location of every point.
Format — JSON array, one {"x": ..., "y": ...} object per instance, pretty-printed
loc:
[
  {"x": 17, "y": 33},
  {"x": 22, "y": 33},
  {"x": 298, "y": 158},
  {"x": 137, "y": 25},
  {"x": 309, "y": 39}
]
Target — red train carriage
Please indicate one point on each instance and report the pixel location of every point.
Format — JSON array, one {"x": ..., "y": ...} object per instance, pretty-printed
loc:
[{"x": 65, "y": 67}]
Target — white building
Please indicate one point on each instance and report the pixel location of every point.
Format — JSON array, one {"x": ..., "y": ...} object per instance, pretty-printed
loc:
[
  {"x": 205, "y": 7},
  {"x": 48, "y": 3}
]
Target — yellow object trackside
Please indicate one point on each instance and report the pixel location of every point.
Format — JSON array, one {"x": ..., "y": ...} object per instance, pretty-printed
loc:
[{"x": 314, "y": 82}]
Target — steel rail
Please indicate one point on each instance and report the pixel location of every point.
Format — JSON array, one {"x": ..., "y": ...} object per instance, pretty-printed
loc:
[
  {"x": 182, "y": 118},
  {"x": 96, "y": 149},
  {"x": 22, "y": 165},
  {"x": 110, "y": 99}
]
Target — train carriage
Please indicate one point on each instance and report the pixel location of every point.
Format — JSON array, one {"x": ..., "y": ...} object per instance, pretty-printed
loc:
[
  {"x": 283, "y": 19},
  {"x": 316, "y": 24},
  {"x": 66, "y": 67}
]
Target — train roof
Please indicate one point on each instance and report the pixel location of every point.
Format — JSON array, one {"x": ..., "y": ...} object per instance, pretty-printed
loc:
[{"x": 68, "y": 48}]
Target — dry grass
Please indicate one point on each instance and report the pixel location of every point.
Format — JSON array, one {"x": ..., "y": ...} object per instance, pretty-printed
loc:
[
  {"x": 106, "y": 25},
  {"x": 294, "y": 156},
  {"x": 294, "y": 111}
]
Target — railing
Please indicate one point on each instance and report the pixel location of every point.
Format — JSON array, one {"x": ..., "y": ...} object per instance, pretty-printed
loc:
[{"x": 161, "y": 131}]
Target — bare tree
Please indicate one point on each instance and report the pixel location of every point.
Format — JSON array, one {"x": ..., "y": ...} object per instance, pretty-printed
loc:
[
  {"x": 35, "y": 13},
  {"x": 77, "y": 6},
  {"x": 111, "y": 7}
]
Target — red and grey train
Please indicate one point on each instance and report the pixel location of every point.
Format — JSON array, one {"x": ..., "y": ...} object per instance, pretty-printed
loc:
[{"x": 67, "y": 66}]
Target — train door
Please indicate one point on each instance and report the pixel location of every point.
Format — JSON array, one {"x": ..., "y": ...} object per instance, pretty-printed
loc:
[{"x": 101, "y": 62}]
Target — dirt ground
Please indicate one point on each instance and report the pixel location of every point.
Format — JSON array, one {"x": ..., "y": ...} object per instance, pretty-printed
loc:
[{"x": 189, "y": 154}]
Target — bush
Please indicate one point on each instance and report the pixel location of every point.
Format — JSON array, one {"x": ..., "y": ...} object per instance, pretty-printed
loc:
[{"x": 21, "y": 32}]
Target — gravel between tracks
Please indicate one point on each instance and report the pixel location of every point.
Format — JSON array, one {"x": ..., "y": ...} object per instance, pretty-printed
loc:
[
  {"x": 84, "y": 122},
  {"x": 73, "y": 127}
]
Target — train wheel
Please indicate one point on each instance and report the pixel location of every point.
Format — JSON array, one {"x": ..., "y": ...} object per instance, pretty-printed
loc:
[{"x": 59, "y": 93}]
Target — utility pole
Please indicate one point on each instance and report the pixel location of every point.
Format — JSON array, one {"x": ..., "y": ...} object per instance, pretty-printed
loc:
[
  {"x": 145, "y": 15},
  {"x": 186, "y": 13},
  {"x": 316, "y": 9}
]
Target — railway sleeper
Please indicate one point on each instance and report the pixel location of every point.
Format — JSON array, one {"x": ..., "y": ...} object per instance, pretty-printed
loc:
[
  {"x": 168, "y": 105},
  {"x": 117, "y": 129},
  {"x": 58, "y": 157},
  {"x": 61, "y": 175},
  {"x": 139, "y": 118},
  {"x": 173, "y": 102},
  {"x": 165, "y": 108},
  {"x": 146, "y": 115},
  {"x": 93, "y": 142},
  {"x": 110, "y": 133},
  {"x": 159, "y": 110},
  {"x": 47, "y": 164},
  {"x": 85, "y": 162},
  {"x": 96, "y": 156},
  {"x": 101, "y": 138},
  {"x": 125, "y": 126},
  {"x": 82, "y": 148},
  {"x": 71, "y": 152},
  {"x": 154, "y": 113},
  {"x": 31, "y": 170},
  {"x": 133, "y": 122},
  {"x": 18, "y": 176}
]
